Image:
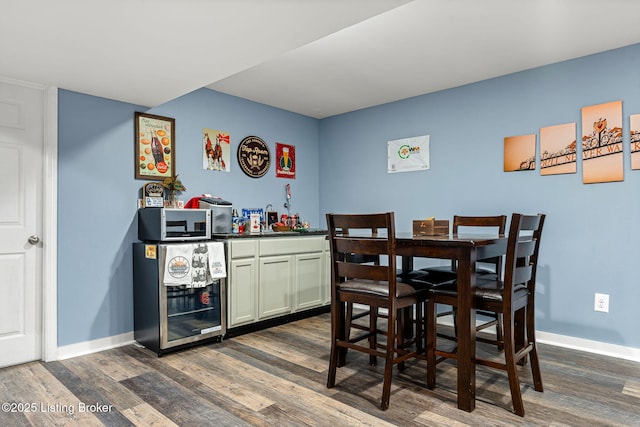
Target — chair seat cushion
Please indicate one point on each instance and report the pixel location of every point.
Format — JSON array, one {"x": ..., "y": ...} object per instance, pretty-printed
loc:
[
  {"x": 485, "y": 290},
  {"x": 381, "y": 288},
  {"x": 444, "y": 273},
  {"x": 439, "y": 274},
  {"x": 418, "y": 279}
]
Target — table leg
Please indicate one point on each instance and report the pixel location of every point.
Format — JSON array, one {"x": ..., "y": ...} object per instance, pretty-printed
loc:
[
  {"x": 407, "y": 264},
  {"x": 466, "y": 320}
]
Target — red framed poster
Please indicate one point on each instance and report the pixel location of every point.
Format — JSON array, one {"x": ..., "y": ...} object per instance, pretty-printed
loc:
[{"x": 285, "y": 161}]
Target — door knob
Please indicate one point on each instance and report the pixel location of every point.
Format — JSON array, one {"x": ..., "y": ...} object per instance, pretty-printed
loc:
[{"x": 34, "y": 239}]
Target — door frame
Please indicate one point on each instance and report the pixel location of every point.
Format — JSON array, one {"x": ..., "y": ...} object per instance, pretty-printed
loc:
[{"x": 50, "y": 226}]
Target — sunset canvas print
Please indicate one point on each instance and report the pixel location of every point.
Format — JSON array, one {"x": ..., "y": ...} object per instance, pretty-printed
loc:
[
  {"x": 634, "y": 140},
  {"x": 558, "y": 149},
  {"x": 602, "y": 154},
  {"x": 520, "y": 153}
]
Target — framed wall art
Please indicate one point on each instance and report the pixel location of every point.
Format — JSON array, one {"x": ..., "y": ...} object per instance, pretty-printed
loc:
[
  {"x": 558, "y": 149},
  {"x": 520, "y": 153},
  {"x": 254, "y": 157},
  {"x": 602, "y": 155},
  {"x": 634, "y": 140},
  {"x": 216, "y": 153},
  {"x": 285, "y": 161},
  {"x": 408, "y": 154},
  {"x": 154, "y": 146}
]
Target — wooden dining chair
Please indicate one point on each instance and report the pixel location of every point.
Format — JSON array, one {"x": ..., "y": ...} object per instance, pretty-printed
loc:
[
  {"x": 513, "y": 298},
  {"x": 372, "y": 285},
  {"x": 490, "y": 268}
]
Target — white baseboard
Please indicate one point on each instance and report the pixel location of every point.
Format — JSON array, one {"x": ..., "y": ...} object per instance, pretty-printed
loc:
[
  {"x": 596, "y": 347},
  {"x": 589, "y": 346},
  {"x": 88, "y": 347},
  {"x": 565, "y": 341}
]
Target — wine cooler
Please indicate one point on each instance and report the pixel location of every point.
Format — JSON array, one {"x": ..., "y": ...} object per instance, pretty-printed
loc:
[{"x": 169, "y": 316}]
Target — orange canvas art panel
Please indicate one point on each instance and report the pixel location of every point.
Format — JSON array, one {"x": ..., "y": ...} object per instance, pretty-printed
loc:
[
  {"x": 558, "y": 149},
  {"x": 634, "y": 140},
  {"x": 520, "y": 153},
  {"x": 602, "y": 154}
]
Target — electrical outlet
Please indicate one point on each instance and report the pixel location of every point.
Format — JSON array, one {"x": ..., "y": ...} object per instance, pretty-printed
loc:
[{"x": 601, "y": 303}]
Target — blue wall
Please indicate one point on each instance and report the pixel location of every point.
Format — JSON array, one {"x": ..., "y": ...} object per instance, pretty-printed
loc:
[
  {"x": 590, "y": 234},
  {"x": 98, "y": 193}
]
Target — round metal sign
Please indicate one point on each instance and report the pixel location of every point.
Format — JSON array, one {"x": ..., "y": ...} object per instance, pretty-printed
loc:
[{"x": 254, "y": 157}]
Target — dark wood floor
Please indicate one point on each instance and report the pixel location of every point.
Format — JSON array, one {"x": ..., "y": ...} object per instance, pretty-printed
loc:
[{"x": 277, "y": 377}]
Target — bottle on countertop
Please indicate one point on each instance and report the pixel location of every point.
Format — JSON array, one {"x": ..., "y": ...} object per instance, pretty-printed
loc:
[{"x": 235, "y": 222}]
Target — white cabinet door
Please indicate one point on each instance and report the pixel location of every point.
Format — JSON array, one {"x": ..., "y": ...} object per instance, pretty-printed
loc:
[
  {"x": 309, "y": 280},
  {"x": 242, "y": 291},
  {"x": 327, "y": 274},
  {"x": 275, "y": 286}
]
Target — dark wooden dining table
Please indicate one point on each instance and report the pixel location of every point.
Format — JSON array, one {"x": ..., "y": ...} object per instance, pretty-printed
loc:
[{"x": 465, "y": 249}]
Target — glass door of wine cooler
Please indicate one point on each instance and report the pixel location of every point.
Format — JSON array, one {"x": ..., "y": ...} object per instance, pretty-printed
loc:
[{"x": 191, "y": 314}]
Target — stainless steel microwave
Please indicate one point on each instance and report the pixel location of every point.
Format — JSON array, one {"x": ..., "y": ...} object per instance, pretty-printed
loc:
[{"x": 173, "y": 225}]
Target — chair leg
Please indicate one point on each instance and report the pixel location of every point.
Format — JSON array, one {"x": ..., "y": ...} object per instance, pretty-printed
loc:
[
  {"x": 337, "y": 331},
  {"x": 400, "y": 326},
  {"x": 455, "y": 321},
  {"x": 533, "y": 355},
  {"x": 373, "y": 336},
  {"x": 499, "y": 331},
  {"x": 510, "y": 361},
  {"x": 388, "y": 363},
  {"x": 520, "y": 334},
  {"x": 407, "y": 316},
  {"x": 420, "y": 330},
  {"x": 348, "y": 318},
  {"x": 430, "y": 320}
]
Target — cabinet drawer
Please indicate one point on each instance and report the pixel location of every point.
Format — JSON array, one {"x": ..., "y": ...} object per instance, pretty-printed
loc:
[
  {"x": 291, "y": 245},
  {"x": 243, "y": 248}
]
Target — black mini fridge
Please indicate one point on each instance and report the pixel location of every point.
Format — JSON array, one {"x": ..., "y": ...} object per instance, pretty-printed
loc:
[{"x": 169, "y": 311}]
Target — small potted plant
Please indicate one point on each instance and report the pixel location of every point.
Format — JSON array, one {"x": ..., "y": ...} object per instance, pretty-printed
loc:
[{"x": 175, "y": 186}]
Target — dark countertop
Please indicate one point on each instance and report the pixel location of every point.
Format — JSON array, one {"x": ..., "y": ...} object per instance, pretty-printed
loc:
[{"x": 309, "y": 232}]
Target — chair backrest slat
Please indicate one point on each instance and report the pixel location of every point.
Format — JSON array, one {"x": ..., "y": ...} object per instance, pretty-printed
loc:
[
  {"x": 360, "y": 221},
  {"x": 522, "y": 274},
  {"x": 362, "y": 271},
  {"x": 526, "y": 248},
  {"x": 356, "y": 245},
  {"x": 530, "y": 222},
  {"x": 497, "y": 222}
]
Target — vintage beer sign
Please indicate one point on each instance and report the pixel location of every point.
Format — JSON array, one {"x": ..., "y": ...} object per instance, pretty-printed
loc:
[{"x": 254, "y": 157}]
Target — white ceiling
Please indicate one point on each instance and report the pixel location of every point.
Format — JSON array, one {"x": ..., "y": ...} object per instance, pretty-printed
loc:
[{"x": 314, "y": 57}]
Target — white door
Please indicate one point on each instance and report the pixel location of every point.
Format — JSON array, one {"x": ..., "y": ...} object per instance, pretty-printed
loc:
[{"x": 21, "y": 154}]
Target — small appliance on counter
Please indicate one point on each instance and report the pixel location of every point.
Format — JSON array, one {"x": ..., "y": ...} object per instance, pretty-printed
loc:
[
  {"x": 220, "y": 214},
  {"x": 167, "y": 224}
]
